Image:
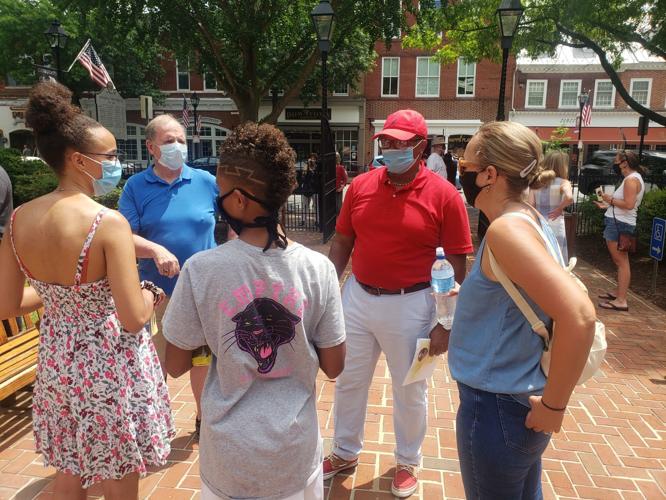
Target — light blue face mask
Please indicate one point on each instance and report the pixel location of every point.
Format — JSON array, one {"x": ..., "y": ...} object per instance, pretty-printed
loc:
[
  {"x": 111, "y": 172},
  {"x": 398, "y": 161},
  {"x": 173, "y": 155}
]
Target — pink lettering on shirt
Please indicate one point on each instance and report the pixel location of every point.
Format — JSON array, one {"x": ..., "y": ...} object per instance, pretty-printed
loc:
[{"x": 243, "y": 295}]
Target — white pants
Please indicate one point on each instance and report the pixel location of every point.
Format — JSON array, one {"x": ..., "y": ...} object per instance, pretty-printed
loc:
[
  {"x": 314, "y": 489},
  {"x": 392, "y": 324}
]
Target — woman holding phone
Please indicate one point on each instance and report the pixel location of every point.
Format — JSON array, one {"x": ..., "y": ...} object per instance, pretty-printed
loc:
[{"x": 620, "y": 217}]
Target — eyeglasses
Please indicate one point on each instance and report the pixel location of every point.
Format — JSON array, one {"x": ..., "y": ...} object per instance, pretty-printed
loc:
[
  {"x": 466, "y": 165},
  {"x": 119, "y": 155},
  {"x": 390, "y": 143}
]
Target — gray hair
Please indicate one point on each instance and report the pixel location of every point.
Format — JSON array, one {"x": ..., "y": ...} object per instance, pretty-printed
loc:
[{"x": 158, "y": 121}]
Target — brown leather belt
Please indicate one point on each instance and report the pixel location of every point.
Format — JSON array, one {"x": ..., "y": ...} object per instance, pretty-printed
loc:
[{"x": 374, "y": 290}]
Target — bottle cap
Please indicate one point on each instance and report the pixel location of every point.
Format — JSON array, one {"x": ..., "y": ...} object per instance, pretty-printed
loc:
[{"x": 439, "y": 252}]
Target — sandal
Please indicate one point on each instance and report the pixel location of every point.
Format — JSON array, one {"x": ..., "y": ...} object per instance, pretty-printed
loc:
[
  {"x": 607, "y": 296},
  {"x": 613, "y": 307}
]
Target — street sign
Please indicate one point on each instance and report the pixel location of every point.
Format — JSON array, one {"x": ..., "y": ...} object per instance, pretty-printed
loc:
[
  {"x": 658, "y": 238},
  {"x": 643, "y": 126}
]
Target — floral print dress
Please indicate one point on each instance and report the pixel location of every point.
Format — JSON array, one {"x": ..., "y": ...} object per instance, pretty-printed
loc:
[{"x": 100, "y": 403}]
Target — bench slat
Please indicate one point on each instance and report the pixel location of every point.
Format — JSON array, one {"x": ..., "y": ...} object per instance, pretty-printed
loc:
[
  {"x": 17, "y": 363},
  {"x": 31, "y": 337},
  {"x": 18, "y": 381}
]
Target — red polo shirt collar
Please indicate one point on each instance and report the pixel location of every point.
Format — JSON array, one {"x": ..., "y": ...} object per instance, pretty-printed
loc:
[{"x": 418, "y": 182}]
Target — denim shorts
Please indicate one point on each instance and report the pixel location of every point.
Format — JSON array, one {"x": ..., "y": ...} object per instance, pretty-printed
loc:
[{"x": 612, "y": 230}]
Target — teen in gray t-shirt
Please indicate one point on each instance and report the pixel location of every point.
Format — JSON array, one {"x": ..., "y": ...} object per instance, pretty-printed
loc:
[{"x": 261, "y": 314}]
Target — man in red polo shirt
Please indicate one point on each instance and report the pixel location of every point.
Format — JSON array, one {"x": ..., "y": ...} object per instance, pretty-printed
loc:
[{"x": 393, "y": 219}]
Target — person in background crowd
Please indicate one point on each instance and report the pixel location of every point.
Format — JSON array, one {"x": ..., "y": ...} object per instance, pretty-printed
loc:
[
  {"x": 451, "y": 167},
  {"x": 6, "y": 203},
  {"x": 26, "y": 151},
  {"x": 270, "y": 310},
  {"x": 393, "y": 219},
  {"x": 100, "y": 407},
  {"x": 553, "y": 194},
  {"x": 309, "y": 183},
  {"x": 620, "y": 217},
  {"x": 171, "y": 210},
  {"x": 508, "y": 408},
  {"x": 341, "y": 179},
  {"x": 435, "y": 161}
]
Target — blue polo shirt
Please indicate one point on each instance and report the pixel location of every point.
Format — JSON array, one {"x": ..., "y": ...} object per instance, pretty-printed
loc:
[{"x": 179, "y": 216}]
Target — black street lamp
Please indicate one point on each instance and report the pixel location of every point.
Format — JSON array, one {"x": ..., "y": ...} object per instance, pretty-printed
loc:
[
  {"x": 583, "y": 97},
  {"x": 509, "y": 14},
  {"x": 323, "y": 19},
  {"x": 195, "y": 137},
  {"x": 57, "y": 38}
]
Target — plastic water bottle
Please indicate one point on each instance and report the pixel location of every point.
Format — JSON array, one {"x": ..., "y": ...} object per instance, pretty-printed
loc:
[{"x": 442, "y": 279}]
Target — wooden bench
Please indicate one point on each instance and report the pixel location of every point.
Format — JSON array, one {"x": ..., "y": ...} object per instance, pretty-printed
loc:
[{"x": 19, "y": 341}]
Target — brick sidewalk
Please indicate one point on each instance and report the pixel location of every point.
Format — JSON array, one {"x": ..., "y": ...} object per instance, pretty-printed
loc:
[{"x": 613, "y": 444}]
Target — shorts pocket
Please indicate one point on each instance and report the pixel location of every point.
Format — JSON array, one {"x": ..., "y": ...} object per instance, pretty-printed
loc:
[{"x": 512, "y": 415}]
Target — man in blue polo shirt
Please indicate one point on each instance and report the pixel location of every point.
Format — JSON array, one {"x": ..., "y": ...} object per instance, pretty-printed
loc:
[{"x": 171, "y": 209}]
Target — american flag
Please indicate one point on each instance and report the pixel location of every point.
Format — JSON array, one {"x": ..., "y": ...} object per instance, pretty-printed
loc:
[
  {"x": 587, "y": 114},
  {"x": 198, "y": 125},
  {"x": 186, "y": 114},
  {"x": 91, "y": 61}
]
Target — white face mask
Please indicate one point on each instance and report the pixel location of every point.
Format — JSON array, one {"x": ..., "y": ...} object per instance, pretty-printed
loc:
[{"x": 173, "y": 155}]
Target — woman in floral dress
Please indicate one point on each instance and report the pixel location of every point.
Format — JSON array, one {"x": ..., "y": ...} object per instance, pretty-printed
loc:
[{"x": 100, "y": 405}]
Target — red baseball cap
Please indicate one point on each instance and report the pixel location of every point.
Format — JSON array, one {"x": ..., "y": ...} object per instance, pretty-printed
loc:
[{"x": 403, "y": 125}]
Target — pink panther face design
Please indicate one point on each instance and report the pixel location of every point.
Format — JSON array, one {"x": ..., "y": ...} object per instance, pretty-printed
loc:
[{"x": 261, "y": 328}]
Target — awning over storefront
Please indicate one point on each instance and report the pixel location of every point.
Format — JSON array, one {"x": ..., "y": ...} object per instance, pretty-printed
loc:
[{"x": 605, "y": 135}]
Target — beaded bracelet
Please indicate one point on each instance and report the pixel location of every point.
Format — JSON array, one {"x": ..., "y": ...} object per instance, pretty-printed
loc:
[{"x": 154, "y": 289}]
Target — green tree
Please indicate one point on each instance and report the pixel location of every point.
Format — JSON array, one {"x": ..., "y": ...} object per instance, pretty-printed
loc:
[
  {"x": 127, "y": 46},
  {"x": 254, "y": 46},
  {"x": 470, "y": 30}
]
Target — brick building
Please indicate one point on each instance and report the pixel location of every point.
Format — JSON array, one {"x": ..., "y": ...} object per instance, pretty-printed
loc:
[
  {"x": 545, "y": 91},
  {"x": 455, "y": 99}
]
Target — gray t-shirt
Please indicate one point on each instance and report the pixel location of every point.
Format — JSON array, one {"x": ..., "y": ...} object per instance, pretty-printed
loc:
[
  {"x": 261, "y": 314},
  {"x": 6, "y": 205}
]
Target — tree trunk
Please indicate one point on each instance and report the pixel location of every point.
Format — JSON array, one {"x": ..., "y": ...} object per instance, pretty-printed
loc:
[{"x": 248, "y": 107}]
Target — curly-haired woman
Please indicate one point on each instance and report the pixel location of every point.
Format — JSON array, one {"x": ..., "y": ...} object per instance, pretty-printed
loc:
[{"x": 270, "y": 311}]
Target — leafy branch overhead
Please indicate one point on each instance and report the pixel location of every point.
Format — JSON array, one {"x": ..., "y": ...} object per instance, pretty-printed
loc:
[
  {"x": 253, "y": 46},
  {"x": 125, "y": 44},
  {"x": 470, "y": 30}
]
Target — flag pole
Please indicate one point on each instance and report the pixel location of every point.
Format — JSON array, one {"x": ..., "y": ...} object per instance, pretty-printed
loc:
[{"x": 78, "y": 55}]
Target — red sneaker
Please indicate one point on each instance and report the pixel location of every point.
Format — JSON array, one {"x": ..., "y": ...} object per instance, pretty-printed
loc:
[
  {"x": 405, "y": 481},
  {"x": 334, "y": 464}
]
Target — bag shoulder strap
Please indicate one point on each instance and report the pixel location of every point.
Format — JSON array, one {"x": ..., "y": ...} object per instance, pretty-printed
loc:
[{"x": 537, "y": 325}]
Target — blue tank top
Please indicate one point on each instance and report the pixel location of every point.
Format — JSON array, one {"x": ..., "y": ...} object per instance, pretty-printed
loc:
[{"x": 492, "y": 346}]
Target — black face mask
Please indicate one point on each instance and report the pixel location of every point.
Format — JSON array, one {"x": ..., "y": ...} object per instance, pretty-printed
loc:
[
  {"x": 617, "y": 169},
  {"x": 270, "y": 222},
  {"x": 471, "y": 190}
]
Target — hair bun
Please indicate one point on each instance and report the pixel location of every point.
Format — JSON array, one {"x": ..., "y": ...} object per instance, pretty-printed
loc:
[{"x": 49, "y": 107}]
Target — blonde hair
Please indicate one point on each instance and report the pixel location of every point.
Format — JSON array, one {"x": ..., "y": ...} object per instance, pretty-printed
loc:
[
  {"x": 515, "y": 151},
  {"x": 151, "y": 128},
  {"x": 557, "y": 162}
]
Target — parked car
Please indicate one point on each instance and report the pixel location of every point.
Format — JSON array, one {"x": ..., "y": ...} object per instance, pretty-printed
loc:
[
  {"x": 207, "y": 163},
  {"x": 598, "y": 170}
]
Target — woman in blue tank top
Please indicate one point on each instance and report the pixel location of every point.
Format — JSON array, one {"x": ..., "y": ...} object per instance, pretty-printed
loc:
[{"x": 508, "y": 408}]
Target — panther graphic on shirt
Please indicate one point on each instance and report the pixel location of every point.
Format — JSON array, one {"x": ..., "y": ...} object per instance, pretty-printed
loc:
[{"x": 261, "y": 328}]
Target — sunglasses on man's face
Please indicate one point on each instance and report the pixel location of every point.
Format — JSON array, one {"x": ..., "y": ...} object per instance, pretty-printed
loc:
[
  {"x": 468, "y": 166},
  {"x": 389, "y": 143}
]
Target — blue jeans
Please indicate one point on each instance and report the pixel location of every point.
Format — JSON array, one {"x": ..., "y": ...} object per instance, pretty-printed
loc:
[{"x": 500, "y": 458}]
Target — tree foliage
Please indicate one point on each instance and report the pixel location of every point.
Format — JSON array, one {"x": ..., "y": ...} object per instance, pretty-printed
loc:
[
  {"x": 471, "y": 30},
  {"x": 254, "y": 46},
  {"x": 127, "y": 47}
]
